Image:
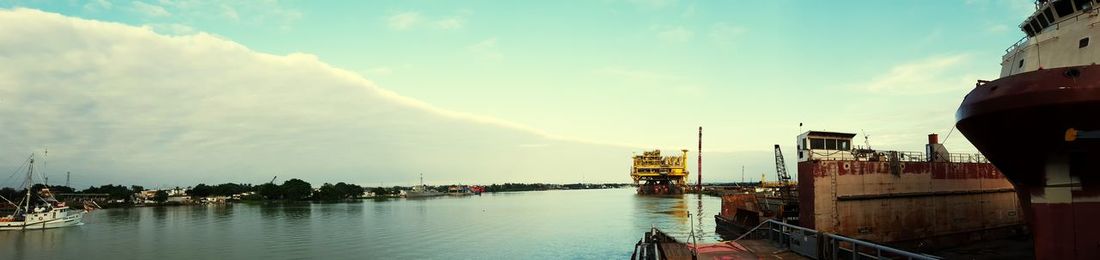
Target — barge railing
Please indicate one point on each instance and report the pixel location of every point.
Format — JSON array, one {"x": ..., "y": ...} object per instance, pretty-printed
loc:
[
  {"x": 819, "y": 245},
  {"x": 898, "y": 156}
]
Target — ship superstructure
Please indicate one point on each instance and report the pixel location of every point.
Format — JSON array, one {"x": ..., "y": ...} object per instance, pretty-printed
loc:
[
  {"x": 1038, "y": 124},
  {"x": 656, "y": 174}
]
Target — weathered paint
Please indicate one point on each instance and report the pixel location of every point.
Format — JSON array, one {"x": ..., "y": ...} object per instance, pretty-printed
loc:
[{"x": 864, "y": 200}]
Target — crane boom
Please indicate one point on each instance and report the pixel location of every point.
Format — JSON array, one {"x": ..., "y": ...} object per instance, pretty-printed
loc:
[
  {"x": 781, "y": 167},
  {"x": 787, "y": 193},
  {"x": 789, "y": 211}
]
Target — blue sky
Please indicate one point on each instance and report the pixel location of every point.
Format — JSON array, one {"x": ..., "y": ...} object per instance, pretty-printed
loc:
[{"x": 592, "y": 81}]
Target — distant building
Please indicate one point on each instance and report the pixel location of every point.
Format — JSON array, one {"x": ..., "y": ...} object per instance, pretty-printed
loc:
[
  {"x": 177, "y": 192},
  {"x": 179, "y": 199},
  {"x": 145, "y": 196},
  {"x": 239, "y": 196}
]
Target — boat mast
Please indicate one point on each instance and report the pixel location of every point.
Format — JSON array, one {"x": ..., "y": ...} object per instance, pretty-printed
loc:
[{"x": 28, "y": 185}]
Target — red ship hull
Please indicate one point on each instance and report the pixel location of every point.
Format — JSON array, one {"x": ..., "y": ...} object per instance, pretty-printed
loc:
[{"x": 1022, "y": 124}]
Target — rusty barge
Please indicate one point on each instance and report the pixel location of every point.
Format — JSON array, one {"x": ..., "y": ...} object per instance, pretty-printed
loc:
[
  {"x": 922, "y": 199},
  {"x": 918, "y": 200}
]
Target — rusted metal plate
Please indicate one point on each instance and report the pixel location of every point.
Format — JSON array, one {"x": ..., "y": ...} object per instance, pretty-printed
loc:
[{"x": 867, "y": 200}]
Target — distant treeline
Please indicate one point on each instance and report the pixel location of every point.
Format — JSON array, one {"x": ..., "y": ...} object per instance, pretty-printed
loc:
[
  {"x": 293, "y": 189},
  {"x": 545, "y": 186}
]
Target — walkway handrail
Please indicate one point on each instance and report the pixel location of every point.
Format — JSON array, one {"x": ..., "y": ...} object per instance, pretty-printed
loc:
[
  {"x": 751, "y": 230},
  {"x": 826, "y": 239},
  {"x": 891, "y": 250}
]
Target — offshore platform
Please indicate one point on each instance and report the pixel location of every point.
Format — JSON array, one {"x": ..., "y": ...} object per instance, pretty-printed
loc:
[{"x": 660, "y": 175}]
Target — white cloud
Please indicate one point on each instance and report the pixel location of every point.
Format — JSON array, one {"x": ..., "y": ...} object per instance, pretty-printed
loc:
[
  {"x": 118, "y": 103},
  {"x": 403, "y": 21},
  {"x": 677, "y": 34},
  {"x": 412, "y": 20},
  {"x": 926, "y": 76},
  {"x": 486, "y": 49},
  {"x": 230, "y": 12},
  {"x": 149, "y": 9},
  {"x": 172, "y": 29},
  {"x": 267, "y": 13},
  {"x": 451, "y": 23}
]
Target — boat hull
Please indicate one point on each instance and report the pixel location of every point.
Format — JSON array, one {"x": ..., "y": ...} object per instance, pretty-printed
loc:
[
  {"x": 45, "y": 221},
  {"x": 1022, "y": 124}
]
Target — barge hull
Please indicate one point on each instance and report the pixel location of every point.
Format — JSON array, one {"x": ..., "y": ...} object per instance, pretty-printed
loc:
[{"x": 867, "y": 200}]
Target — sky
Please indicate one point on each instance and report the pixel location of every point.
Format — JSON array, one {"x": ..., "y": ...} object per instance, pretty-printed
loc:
[{"x": 174, "y": 93}]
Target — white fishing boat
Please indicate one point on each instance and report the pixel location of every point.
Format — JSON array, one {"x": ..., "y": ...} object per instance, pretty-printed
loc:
[
  {"x": 39, "y": 210},
  {"x": 420, "y": 191}
]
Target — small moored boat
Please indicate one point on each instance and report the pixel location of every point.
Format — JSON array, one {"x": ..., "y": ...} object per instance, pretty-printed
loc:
[{"x": 39, "y": 210}]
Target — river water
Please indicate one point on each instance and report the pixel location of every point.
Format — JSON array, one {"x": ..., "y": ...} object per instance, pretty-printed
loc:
[{"x": 564, "y": 224}]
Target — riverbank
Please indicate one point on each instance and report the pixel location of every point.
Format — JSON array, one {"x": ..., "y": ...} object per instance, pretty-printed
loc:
[{"x": 118, "y": 196}]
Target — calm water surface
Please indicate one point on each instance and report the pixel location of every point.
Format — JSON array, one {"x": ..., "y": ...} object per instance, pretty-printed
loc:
[{"x": 588, "y": 224}]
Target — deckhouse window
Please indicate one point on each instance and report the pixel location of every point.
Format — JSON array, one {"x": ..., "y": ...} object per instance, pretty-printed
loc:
[
  {"x": 830, "y": 144},
  {"x": 843, "y": 145},
  {"x": 1021, "y": 63},
  {"x": 817, "y": 144},
  {"x": 1083, "y": 4},
  {"x": 1083, "y": 42},
  {"x": 1042, "y": 21},
  {"x": 1063, "y": 8},
  {"x": 1035, "y": 26},
  {"x": 1048, "y": 15}
]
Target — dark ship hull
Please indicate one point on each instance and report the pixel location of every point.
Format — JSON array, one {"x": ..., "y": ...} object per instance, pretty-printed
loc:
[{"x": 1042, "y": 130}]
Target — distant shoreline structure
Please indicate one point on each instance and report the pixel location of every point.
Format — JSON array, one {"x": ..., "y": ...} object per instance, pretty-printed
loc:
[{"x": 111, "y": 195}]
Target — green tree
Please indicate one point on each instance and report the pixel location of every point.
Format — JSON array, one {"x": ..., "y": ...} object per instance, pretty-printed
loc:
[
  {"x": 227, "y": 189},
  {"x": 295, "y": 189},
  {"x": 348, "y": 191},
  {"x": 161, "y": 196},
  {"x": 269, "y": 191},
  {"x": 327, "y": 192},
  {"x": 61, "y": 189},
  {"x": 201, "y": 190}
]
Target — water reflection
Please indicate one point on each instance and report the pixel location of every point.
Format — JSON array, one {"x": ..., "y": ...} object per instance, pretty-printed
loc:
[{"x": 602, "y": 224}]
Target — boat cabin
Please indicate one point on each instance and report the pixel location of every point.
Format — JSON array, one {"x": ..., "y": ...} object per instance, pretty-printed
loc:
[{"x": 824, "y": 145}]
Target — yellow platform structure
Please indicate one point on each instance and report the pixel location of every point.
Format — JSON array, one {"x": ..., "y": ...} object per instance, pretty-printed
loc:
[{"x": 656, "y": 174}]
